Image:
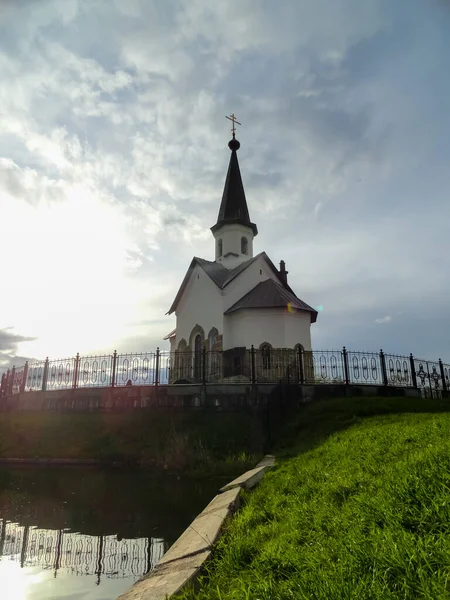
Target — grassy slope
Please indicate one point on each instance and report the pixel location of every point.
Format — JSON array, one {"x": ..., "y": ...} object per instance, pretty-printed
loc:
[{"x": 362, "y": 513}]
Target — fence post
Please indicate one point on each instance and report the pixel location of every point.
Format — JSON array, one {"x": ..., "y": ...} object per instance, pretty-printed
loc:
[
  {"x": 76, "y": 370},
  {"x": 441, "y": 368},
  {"x": 6, "y": 384},
  {"x": 301, "y": 369},
  {"x": 429, "y": 380},
  {"x": 11, "y": 381},
  {"x": 204, "y": 366},
  {"x": 45, "y": 375},
  {"x": 157, "y": 368},
  {"x": 413, "y": 370},
  {"x": 383, "y": 368},
  {"x": 24, "y": 377},
  {"x": 253, "y": 373},
  {"x": 346, "y": 371},
  {"x": 113, "y": 375}
]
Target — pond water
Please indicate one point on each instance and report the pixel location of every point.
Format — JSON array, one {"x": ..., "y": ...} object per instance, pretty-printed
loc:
[{"x": 88, "y": 534}]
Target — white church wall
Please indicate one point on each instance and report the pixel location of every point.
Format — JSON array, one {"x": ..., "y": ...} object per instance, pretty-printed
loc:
[
  {"x": 246, "y": 281},
  {"x": 200, "y": 304},
  {"x": 275, "y": 326},
  {"x": 297, "y": 328}
]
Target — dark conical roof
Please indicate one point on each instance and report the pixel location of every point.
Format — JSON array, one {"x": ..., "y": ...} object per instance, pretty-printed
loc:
[{"x": 233, "y": 208}]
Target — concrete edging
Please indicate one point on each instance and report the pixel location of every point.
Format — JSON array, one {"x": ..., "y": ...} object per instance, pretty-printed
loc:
[
  {"x": 247, "y": 480},
  {"x": 183, "y": 561}
]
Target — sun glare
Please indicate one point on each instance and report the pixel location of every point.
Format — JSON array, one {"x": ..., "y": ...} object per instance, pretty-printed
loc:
[
  {"x": 67, "y": 273},
  {"x": 16, "y": 583}
]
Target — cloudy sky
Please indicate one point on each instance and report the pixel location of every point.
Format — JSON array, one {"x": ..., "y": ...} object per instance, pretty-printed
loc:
[{"x": 113, "y": 154}]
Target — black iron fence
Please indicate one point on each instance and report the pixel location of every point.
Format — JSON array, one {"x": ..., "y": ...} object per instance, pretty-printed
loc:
[{"x": 230, "y": 366}]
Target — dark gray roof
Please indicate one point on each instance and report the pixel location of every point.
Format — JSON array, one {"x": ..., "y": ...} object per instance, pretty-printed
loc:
[
  {"x": 233, "y": 208},
  {"x": 219, "y": 274},
  {"x": 270, "y": 294},
  {"x": 216, "y": 271}
]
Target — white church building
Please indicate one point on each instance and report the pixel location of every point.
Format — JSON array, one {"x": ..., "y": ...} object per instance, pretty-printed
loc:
[{"x": 238, "y": 300}]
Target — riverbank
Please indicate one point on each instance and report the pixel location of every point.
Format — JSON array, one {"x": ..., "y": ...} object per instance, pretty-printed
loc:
[
  {"x": 161, "y": 437},
  {"x": 358, "y": 508},
  {"x": 89, "y": 532}
]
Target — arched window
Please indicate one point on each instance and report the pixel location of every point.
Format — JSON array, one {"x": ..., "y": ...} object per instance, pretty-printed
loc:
[
  {"x": 244, "y": 245},
  {"x": 196, "y": 339},
  {"x": 212, "y": 338},
  {"x": 219, "y": 247},
  {"x": 212, "y": 341},
  {"x": 265, "y": 356}
]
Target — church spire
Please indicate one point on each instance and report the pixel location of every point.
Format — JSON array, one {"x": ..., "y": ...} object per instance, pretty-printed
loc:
[
  {"x": 233, "y": 232},
  {"x": 233, "y": 208}
]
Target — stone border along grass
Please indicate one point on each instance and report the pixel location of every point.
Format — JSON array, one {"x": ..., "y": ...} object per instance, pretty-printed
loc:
[{"x": 184, "y": 560}]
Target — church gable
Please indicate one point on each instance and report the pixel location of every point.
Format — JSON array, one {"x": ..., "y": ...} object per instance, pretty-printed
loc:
[
  {"x": 199, "y": 287},
  {"x": 215, "y": 271},
  {"x": 199, "y": 304},
  {"x": 257, "y": 271},
  {"x": 261, "y": 285}
]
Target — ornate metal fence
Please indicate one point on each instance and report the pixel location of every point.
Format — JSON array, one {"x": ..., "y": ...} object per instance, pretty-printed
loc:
[
  {"x": 431, "y": 377},
  {"x": 264, "y": 365}
]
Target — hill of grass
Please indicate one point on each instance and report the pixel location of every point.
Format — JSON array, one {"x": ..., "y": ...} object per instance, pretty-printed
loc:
[{"x": 358, "y": 507}]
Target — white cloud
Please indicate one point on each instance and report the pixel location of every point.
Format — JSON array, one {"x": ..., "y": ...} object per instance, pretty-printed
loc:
[{"x": 383, "y": 320}]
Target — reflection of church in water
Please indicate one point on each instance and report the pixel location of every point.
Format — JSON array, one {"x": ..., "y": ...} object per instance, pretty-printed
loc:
[{"x": 79, "y": 554}]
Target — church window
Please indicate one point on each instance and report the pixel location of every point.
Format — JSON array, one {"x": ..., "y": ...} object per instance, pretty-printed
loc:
[
  {"x": 219, "y": 248},
  {"x": 212, "y": 341},
  {"x": 265, "y": 356},
  {"x": 244, "y": 245},
  {"x": 212, "y": 337}
]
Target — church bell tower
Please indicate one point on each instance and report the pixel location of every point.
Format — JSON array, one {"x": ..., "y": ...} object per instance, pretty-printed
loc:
[{"x": 233, "y": 232}]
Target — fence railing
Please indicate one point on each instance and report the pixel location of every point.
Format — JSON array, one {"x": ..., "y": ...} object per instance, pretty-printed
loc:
[{"x": 237, "y": 365}]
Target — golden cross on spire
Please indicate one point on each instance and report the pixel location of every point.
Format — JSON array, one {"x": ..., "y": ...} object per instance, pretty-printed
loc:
[{"x": 233, "y": 119}]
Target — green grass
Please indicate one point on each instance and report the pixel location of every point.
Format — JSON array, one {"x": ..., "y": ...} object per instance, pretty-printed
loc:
[{"x": 358, "y": 507}]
